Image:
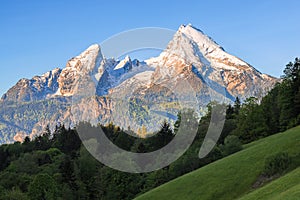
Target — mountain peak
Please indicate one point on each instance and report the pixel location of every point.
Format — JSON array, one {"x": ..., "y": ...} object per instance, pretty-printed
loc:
[
  {"x": 189, "y": 26},
  {"x": 88, "y": 60},
  {"x": 198, "y": 36},
  {"x": 94, "y": 47},
  {"x": 123, "y": 63},
  {"x": 86, "y": 63}
]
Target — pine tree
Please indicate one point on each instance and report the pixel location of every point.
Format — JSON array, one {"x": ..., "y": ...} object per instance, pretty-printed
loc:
[
  {"x": 237, "y": 105},
  {"x": 68, "y": 172}
]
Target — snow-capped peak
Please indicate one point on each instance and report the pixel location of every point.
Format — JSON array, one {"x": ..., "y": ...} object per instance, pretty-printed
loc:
[
  {"x": 88, "y": 62},
  {"x": 122, "y": 63},
  {"x": 199, "y": 37},
  {"x": 88, "y": 59},
  {"x": 194, "y": 45},
  {"x": 93, "y": 47}
]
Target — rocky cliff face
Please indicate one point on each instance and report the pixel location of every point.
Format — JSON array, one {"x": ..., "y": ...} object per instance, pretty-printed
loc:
[
  {"x": 86, "y": 64},
  {"x": 210, "y": 62},
  {"x": 37, "y": 88},
  {"x": 130, "y": 92}
]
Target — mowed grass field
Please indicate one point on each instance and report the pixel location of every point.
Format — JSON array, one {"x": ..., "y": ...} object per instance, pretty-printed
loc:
[{"x": 232, "y": 177}]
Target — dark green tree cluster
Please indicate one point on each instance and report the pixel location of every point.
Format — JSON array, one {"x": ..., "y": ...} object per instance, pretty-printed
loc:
[
  {"x": 57, "y": 166},
  {"x": 277, "y": 111}
]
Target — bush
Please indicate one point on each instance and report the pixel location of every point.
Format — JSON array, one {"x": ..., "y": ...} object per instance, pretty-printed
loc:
[
  {"x": 14, "y": 194},
  {"x": 277, "y": 164},
  {"x": 231, "y": 145}
]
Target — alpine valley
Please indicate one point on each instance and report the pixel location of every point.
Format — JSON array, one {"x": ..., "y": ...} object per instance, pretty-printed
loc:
[{"x": 130, "y": 93}]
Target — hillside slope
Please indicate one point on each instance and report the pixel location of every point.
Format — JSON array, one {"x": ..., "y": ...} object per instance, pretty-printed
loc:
[
  {"x": 231, "y": 177},
  {"x": 286, "y": 187}
]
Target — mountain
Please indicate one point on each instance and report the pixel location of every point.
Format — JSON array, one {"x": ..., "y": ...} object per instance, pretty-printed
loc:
[
  {"x": 211, "y": 62},
  {"x": 192, "y": 68},
  {"x": 37, "y": 88}
]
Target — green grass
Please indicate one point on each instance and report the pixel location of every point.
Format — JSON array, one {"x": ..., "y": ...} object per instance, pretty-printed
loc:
[
  {"x": 231, "y": 177},
  {"x": 286, "y": 187}
]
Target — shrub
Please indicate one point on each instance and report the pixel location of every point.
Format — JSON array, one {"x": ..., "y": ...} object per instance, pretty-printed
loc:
[
  {"x": 276, "y": 164},
  {"x": 231, "y": 145},
  {"x": 14, "y": 194}
]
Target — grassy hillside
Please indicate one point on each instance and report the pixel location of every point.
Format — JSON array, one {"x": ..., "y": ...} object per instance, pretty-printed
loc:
[
  {"x": 231, "y": 177},
  {"x": 286, "y": 187}
]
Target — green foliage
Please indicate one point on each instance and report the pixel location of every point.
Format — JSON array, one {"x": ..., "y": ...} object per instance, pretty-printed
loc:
[
  {"x": 161, "y": 138},
  {"x": 119, "y": 185},
  {"x": 231, "y": 145},
  {"x": 43, "y": 187},
  {"x": 286, "y": 187},
  {"x": 3, "y": 157},
  {"x": 78, "y": 175},
  {"x": 67, "y": 141},
  {"x": 277, "y": 164},
  {"x": 233, "y": 176},
  {"x": 14, "y": 194},
  {"x": 290, "y": 90},
  {"x": 87, "y": 165},
  {"x": 277, "y": 111},
  {"x": 67, "y": 171},
  {"x": 250, "y": 125},
  {"x": 9, "y": 180}
]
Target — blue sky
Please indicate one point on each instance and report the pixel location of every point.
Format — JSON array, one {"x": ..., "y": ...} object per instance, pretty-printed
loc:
[{"x": 37, "y": 36}]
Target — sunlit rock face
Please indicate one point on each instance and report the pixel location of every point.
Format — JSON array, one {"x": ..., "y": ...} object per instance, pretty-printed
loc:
[{"x": 129, "y": 92}]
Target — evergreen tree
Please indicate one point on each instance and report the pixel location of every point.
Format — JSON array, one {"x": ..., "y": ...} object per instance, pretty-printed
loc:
[
  {"x": 68, "y": 172},
  {"x": 237, "y": 105},
  {"x": 161, "y": 138},
  {"x": 3, "y": 158}
]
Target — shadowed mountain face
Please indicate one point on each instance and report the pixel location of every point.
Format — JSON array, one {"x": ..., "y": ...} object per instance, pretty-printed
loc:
[{"x": 130, "y": 93}]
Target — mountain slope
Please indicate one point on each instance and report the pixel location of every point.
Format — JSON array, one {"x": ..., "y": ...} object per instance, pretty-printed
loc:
[
  {"x": 230, "y": 177},
  {"x": 192, "y": 71},
  {"x": 211, "y": 62},
  {"x": 37, "y": 88}
]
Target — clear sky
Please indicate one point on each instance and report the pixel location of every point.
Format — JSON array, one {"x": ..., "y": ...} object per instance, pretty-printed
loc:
[{"x": 37, "y": 36}]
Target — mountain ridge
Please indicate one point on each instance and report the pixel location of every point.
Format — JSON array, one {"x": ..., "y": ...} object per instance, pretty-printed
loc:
[{"x": 191, "y": 57}]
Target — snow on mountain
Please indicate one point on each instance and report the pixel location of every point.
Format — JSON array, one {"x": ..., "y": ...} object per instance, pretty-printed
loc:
[
  {"x": 118, "y": 72},
  {"x": 86, "y": 63},
  {"x": 212, "y": 63},
  {"x": 146, "y": 86},
  {"x": 124, "y": 63},
  {"x": 37, "y": 88}
]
